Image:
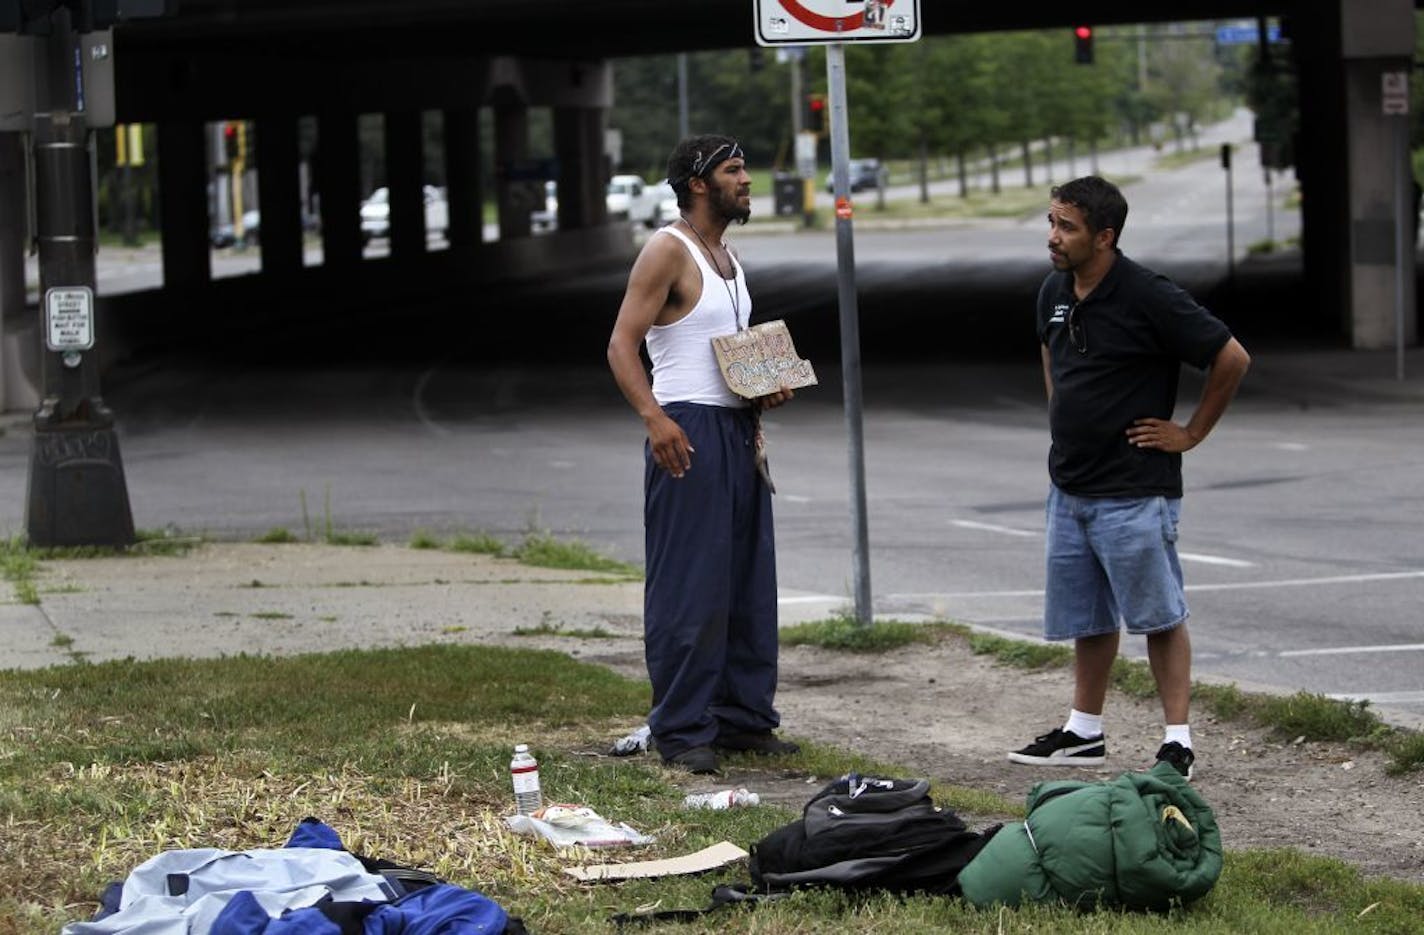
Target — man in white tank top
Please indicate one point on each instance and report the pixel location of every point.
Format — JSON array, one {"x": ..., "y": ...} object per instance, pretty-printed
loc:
[{"x": 709, "y": 614}]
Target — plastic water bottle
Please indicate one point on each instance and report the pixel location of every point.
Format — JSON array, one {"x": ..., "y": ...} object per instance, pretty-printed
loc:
[
  {"x": 524, "y": 770},
  {"x": 727, "y": 798}
]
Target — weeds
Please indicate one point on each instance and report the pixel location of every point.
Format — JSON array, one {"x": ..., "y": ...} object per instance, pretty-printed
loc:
[
  {"x": 277, "y": 535},
  {"x": 542, "y": 550},
  {"x": 480, "y": 544},
  {"x": 843, "y": 631},
  {"x": 548, "y": 626},
  {"x": 422, "y": 539}
]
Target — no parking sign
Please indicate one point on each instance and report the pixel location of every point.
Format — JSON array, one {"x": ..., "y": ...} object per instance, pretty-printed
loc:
[{"x": 804, "y": 22}]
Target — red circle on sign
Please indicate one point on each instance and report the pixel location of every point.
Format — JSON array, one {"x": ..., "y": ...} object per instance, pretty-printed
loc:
[{"x": 823, "y": 22}]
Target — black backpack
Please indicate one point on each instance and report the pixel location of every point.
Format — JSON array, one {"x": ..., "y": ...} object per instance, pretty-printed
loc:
[{"x": 862, "y": 832}]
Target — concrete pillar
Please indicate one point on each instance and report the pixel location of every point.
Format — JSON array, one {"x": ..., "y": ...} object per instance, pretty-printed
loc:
[
  {"x": 405, "y": 180},
  {"x": 279, "y": 195},
  {"x": 511, "y": 149},
  {"x": 578, "y": 143},
  {"x": 183, "y": 203},
  {"x": 1377, "y": 36},
  {"x": 19, "y": 347},
  {"x": 462, "y": 173},
  {"x": 338, "y": 185},
  {"x": 1320, "y": 156}
]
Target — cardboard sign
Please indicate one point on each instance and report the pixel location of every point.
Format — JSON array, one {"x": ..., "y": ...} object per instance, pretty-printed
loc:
[{"x": 761, "y": 360}]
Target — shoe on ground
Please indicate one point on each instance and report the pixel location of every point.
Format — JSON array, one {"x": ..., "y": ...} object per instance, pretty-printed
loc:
[
  {"x": 1060, "y": 747},
  {"x": 763, "y": 742},
  {"x": 1178, "y": 757},
  {"x": 698, "y": 760}
]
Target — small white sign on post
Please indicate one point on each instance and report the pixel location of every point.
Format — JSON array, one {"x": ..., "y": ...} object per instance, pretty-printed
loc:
[
  {"x": 803, "y": 22},
  {"x": 69, "y": 318},
  {"x": 1394, "y": 93}
]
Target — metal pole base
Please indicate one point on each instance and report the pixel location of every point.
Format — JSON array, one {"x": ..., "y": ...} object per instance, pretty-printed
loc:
[{"x": 77, "y": 493}]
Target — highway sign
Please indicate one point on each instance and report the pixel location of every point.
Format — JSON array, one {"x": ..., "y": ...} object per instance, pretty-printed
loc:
[
  {"x": 1243, "y": 35},
  {"x": 811, "y": 22}
]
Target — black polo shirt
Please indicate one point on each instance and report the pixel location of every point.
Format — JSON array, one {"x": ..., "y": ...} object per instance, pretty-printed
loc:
[{"x": 1134, "y": 331}]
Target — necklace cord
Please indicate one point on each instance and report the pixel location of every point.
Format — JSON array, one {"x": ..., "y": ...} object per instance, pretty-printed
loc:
[{"x": 732, "y": 293}]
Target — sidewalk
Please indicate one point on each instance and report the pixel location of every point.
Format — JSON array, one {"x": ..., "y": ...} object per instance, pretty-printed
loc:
[{"x": 226, "y": 598}]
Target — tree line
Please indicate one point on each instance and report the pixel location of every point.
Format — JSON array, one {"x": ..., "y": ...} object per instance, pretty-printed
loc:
[{"x": 944, "y": 96}]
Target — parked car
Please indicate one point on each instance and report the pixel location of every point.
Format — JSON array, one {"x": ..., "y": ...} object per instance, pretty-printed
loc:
[
  {"x": 223, "y": 235},
  {"x": 864, "y": 173},
  {"x": 376, "y": 213},
  {"x": 629, "y": 198},
  {"x": 547, "y": 217},
  {"x": 668, "y": 211}
]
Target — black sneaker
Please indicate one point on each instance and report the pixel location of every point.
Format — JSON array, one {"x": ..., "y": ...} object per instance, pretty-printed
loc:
[
  {"x": 1178, "y": 757},
  {"x": 761, "y": 741},
  {"x": 700, "y": 760},
  {"x": 1059, "y": 747}
]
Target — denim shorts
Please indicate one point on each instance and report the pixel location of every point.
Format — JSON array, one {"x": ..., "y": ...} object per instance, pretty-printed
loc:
[{"x": 1112, "y": 561}]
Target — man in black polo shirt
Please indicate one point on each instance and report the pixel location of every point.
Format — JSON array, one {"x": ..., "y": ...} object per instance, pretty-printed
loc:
[{"x": 1114, "y": 336}]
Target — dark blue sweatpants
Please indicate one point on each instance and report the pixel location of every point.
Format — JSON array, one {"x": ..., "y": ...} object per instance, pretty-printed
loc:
[{"x": 709, "y": 607}]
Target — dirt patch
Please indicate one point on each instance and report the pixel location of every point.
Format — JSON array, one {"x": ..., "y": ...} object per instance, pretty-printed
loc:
[{"x": 952, "y": 716}]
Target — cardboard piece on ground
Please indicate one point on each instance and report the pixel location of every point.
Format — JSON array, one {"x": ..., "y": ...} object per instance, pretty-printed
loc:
[{"x": 709, "y": 858}]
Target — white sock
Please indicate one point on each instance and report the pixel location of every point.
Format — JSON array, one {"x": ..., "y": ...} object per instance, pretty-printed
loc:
[
  {"x": 1084, "y": 725},
  {"x": 1181, "y": 733}
]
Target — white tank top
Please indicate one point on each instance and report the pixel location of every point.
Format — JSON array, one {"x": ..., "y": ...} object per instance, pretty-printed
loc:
[{"x": 684, "y": 363}]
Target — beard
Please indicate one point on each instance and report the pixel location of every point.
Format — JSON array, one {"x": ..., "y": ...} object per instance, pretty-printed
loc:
[{"x": 726, "y": 207}]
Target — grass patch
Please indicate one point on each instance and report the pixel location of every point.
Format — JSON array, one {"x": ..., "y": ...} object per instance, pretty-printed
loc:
[
  {"x": 277, "y": 535},
  {"x": 1406, "y": 754},
  {"x": 1020, "y": 653},
  {"x": 405, "y": 753},
  {"x": 845, "y": 632},
  {"x": 18, "y": 566},
  {"x": 1177, "y": 160},
  {"x": 422, "y": 539},
  {"x": 270, "y": 615},
  {"x": 479, "y": 544},
  {"x": 62, "y": 641},
  {"x": 352, "y": 538},
  {"x": 550, "y": 627},
  {"x": 542, "y": 550}
]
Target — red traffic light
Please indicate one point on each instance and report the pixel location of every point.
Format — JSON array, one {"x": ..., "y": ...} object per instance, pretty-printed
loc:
[
  {"x": 818, "y": 103},
  {"x": 1083, "y": 32}
]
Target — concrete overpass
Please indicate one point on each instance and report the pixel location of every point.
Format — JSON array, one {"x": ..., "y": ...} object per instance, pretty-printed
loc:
[{"x": 277, "y": 62}]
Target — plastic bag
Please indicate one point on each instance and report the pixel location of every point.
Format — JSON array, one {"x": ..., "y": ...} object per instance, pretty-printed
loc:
[{"x": 575, "y": 825}]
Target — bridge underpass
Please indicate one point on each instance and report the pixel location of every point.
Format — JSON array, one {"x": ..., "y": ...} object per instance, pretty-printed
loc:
[{"x": 480, "y": 66}]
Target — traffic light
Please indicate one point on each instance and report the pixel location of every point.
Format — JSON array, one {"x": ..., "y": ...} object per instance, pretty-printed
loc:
[
  {"x": 230, "y": 141},
  {"x": 1083, "y": 45},
  {"x": 816, "y": 113}
]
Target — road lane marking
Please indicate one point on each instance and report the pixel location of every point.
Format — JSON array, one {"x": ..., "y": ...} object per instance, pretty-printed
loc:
[
  {"x": 1380, "y": 697},
  {"x": 1200, "y": 557},
  {"x": 1205, "y": 559},
  {"x": 990, "y": 527},
  {"x": 1306, "y": 582},
  {"x": 811, "y": 599},
  {"x": 1347, "y": 650},
  {"x": 1233, "y": 586},
  {"x": 794, "y": 498}
]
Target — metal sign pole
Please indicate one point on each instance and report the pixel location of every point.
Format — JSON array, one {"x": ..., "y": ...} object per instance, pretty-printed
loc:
[
  {"x": 77, "y": 493},
  {"x": 1404, "y": 204},
  {"x": 850, "y": 326}
]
